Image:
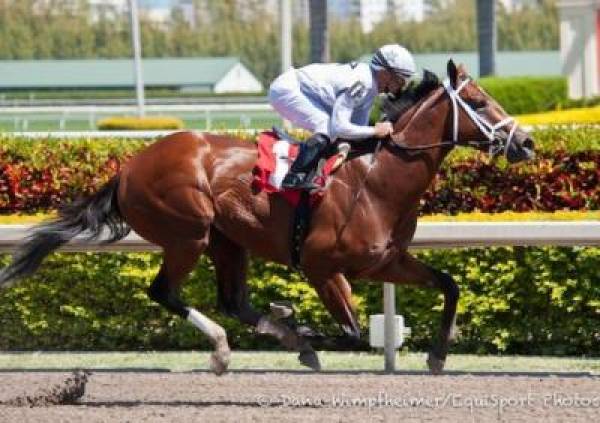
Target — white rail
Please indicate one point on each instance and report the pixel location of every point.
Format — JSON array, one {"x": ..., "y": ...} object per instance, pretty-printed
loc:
[
  {"x": 428, "y": 235},
  {"x": 112, "y": 134},
  {"x": 23, "y": 117},
  {"x": 131, "y": 109}
]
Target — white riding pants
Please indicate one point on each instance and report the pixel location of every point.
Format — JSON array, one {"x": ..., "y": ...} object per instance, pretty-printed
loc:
[{"x": 288, "y": 99}]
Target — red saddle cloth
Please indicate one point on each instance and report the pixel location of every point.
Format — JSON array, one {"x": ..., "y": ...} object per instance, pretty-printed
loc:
[{"x": 275, "y": 158}]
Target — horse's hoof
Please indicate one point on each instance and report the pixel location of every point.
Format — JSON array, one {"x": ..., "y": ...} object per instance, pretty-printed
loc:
[
  {"x": 310, "y": 359},
  {"x": 281, "y": 309},
  {"x": 435, "y": 364},
  {"x": 219, "y": 361}
]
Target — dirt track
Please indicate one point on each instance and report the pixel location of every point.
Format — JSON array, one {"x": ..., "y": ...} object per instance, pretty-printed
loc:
[{"x": 304, "y": 397}]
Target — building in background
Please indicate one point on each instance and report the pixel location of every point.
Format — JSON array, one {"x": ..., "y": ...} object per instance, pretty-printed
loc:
[
  {"x": 202, "y": 75},
  {"x": 107, "y": 9},
  {"x": 367, "y": 12},
  {"x": 514, "y": 5},
  {"x": 371, "y": 12},
  {"x": 157, "y": 11},
  {"x": 187, "y": 10},
  {"x": 413, "y": 10},
  {"x": 580, "y": 46}
]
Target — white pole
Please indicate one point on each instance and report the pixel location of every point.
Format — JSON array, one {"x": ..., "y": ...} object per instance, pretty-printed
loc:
[
  {"x": 285, "y": 14},
  {"x": 389, "y": 327},
  {"x": 286, "y": 34},
  {"x": 137, "y": 56}
]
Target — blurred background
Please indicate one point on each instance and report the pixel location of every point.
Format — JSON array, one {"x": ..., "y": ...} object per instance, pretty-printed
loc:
[{"x": 210, "y": 62}]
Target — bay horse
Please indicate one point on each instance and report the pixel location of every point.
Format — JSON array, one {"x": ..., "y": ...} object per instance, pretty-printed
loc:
[{"x": 191, "y": 194}]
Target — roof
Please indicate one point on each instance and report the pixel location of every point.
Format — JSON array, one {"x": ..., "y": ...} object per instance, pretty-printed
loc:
[
  {"x": 508, "y": 63},
  {"x": 112, "y": 73}
]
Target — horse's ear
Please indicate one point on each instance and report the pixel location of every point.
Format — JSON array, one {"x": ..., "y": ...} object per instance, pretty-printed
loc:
[{"x": 452, "y": 73}]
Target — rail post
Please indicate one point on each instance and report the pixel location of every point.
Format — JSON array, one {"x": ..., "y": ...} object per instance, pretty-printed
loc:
[{"x": 389, "y": 327}]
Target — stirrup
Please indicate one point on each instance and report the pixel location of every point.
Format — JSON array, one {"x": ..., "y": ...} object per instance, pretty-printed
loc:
[{"x": 299, "y": 181}]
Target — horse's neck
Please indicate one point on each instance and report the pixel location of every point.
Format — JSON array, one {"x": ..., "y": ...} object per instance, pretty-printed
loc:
[{"x": 401, "y": 178}]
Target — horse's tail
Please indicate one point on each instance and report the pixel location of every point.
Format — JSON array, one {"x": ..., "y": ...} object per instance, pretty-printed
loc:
[{"x": 90, "y": 215}]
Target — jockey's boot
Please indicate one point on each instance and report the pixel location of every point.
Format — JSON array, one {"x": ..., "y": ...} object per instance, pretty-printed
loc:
[{"x": 301, "y": 173}]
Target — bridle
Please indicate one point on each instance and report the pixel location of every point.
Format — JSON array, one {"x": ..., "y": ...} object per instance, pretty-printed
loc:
[{"x": 496, "y": 144}]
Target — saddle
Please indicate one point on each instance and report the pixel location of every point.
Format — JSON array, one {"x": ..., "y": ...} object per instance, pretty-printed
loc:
[{"x": 276, "y": 152}]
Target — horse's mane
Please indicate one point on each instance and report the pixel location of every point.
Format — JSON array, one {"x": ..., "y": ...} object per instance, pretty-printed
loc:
[{"x": 394, "y": 107}]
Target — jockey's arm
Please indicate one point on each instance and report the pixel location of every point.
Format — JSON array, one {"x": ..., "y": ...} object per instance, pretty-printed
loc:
[
  {"x": 361, "y": 115},
  {"x": 341, "y": 125}
]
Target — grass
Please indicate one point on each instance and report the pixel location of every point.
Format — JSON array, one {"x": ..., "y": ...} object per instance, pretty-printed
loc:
[{"x": 331, "y": 361}]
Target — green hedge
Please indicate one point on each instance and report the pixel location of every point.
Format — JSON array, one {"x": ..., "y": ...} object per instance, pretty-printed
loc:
[
  {"x": 38, "y": 175},
  {"x": 526, "y": 94},
  {"x": 117, "y": 123},
  {"x": 514, "y": 300},
  {"x": 527, "y": 301}
]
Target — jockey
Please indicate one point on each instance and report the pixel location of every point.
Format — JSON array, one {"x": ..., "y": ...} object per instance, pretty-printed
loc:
[{"x": 334, "y": 100}]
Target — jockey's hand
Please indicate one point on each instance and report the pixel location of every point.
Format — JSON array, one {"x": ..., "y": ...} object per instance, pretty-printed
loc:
[{"x": 383, "y": 129}]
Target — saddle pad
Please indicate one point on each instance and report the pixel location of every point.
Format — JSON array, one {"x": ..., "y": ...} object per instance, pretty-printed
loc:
[{"x": 275, "y": 158}]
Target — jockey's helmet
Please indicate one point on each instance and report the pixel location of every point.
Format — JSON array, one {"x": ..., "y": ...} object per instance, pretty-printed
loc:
[{"x": 395, "y": 59}]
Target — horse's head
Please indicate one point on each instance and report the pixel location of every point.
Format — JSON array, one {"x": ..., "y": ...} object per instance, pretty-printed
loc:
[{"x": 478, "y": 120}]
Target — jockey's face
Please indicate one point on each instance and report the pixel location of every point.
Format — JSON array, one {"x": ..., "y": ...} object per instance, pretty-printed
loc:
[{"x": 389, "y": 83}]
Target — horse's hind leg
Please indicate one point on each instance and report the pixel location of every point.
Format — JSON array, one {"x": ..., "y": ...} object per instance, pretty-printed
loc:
[
  {"x": 179, "y": 260},
  {"x": 231, "y": 262}
]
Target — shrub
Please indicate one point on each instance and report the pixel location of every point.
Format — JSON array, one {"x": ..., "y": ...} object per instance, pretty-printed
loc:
[
  {"x": 116, "y": 123},
  {"x": 514, "y": 300},
  {"x": 526, "y": 94},
  {"x": 554, "y": 182},
  {"x": 579, "y": 102},
  {"x": 40, "y": 175}
]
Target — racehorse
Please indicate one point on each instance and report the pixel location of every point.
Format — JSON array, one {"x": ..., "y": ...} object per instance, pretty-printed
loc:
[{"x": 191, "y": 194}]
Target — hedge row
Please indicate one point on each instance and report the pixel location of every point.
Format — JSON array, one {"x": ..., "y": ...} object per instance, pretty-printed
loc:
[
  {"x": 526, "y": 94},
  {"x": 40, "y": 175},
  {"x": 514, "y": 300},
  {"x": 116, "y": 123},
  {"x": 560, "y": 181}
]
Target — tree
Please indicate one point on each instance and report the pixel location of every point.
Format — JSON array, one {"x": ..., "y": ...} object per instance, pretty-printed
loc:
[
  {"x": 486, "y": 36},
  {"x": 319, "y": 34}
]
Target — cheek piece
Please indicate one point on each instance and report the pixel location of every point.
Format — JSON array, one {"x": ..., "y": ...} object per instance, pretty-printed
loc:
[{"x": 496, "y": 144}]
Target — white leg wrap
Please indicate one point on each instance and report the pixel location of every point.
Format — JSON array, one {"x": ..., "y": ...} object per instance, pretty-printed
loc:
[{"x": 207, "y": 326}]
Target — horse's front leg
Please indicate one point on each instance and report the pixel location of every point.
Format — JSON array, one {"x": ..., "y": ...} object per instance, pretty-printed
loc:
[
  {"x": 336, "y": 294},
  {"x": 408, "y": 270}
]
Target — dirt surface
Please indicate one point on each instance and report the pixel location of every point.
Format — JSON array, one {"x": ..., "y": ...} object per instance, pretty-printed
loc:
[{"x": 302, "y": 397}]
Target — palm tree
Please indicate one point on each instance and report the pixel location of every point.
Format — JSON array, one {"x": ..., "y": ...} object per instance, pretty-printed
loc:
[
  {"x": 319, "y": 36},
  {"x": 486, "y": 36}
]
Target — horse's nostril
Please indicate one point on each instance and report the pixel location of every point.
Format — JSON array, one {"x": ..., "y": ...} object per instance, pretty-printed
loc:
[{"x": 528, "y": 144}]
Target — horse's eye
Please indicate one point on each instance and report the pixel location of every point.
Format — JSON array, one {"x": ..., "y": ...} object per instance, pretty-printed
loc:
[{"x": 478, "y": 104}]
